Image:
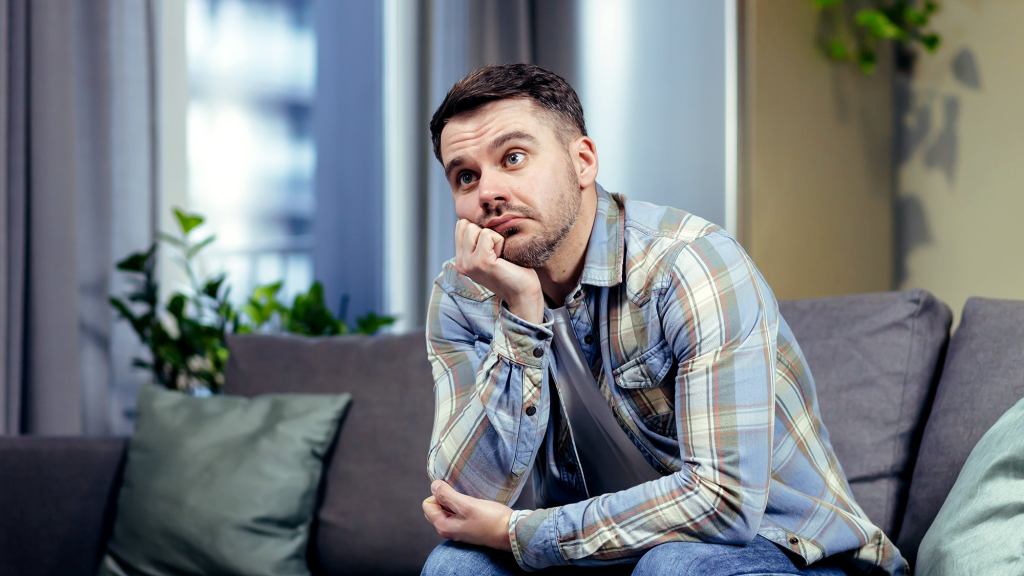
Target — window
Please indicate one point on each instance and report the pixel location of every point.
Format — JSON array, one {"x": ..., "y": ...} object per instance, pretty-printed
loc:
[{"x": 251, "y": 153}]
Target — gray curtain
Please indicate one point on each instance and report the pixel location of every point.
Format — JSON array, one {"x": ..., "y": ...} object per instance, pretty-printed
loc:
[{"x": 77, "y": 182}]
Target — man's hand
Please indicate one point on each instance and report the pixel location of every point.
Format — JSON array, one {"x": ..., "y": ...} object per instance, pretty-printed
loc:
[
  {"x": 478, "y": 255},
  {"x": 463, "y": 518}
]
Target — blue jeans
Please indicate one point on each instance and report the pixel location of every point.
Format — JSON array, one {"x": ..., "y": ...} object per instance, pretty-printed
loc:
[{"x": 760, "y": 557}]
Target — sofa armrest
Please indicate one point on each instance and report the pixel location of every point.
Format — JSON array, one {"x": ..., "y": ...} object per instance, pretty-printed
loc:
[{"x": 57, "y": 498}]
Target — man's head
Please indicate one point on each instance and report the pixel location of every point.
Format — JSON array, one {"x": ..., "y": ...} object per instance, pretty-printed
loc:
[{"x": 512, "y": 142}]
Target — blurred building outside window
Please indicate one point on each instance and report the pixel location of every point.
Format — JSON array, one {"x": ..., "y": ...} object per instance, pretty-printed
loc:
[{"x": 250, "y": 147}]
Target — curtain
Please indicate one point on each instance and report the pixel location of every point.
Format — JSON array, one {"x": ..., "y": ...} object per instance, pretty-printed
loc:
[{"x": 77, "y": 189}]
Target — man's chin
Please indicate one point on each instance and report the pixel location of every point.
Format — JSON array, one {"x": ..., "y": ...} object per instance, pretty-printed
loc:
[{"x": 525, "y": 254}]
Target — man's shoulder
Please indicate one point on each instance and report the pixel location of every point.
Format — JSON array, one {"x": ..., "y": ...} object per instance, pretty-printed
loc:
[
  {"x": 656, "y": 235},
  {"x": 654, "y": 222},
  {"x": 453, "y": 283}
]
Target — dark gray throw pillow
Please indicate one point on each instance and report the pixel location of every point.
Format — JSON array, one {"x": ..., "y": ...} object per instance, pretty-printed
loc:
[
  {"x": 875, "y": 360},
  {"x": 221, "y": 485}
]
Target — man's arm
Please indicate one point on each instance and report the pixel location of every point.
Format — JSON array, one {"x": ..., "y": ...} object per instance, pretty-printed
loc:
[
  {"x": 720, "y": 319},
  {"x": 490, "y": 412}
]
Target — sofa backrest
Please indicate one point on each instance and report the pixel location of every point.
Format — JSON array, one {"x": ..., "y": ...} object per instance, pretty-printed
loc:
[
  {"x": 982, "y": 378},
  {"x": 874, "y": 358},
  {"x": 57, "y": 503},
  {"x": 370, "y": 520}
]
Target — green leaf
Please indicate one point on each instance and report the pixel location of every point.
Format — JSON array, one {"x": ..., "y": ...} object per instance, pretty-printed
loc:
[
  {"x": 914, "y": 16},
  {"x": 138, "y": 261},
  {"x": 176, "y": 306},
  {"x": 370, "y": 323},
  {"x": 195, "y": 249},
  {"x": 212, "y": 286},
  {"x": 309, "y": 315},
  {"x": 878, "y": 24},
  {"x": 931, "y": 42},
  {"x": 122, "y": 309},
  {"x": 867, "y": 62},
  {"x": 837, "y": 50},
  {"x": 267, "y": 292},
  {"x": 187, "y": 222},
  {"x": 931, "y": 7},
  {"x": 822, "y": 4}
]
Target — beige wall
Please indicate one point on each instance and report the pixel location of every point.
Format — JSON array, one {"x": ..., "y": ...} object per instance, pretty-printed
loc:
[
  {"x": 961, "y": 186},
  {"x": 816, "y": 196}
]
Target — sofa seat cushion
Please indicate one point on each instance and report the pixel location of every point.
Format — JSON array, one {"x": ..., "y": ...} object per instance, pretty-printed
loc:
[
  {"x": 874, "y": 359},
  {"x": 983, "y": 377}
]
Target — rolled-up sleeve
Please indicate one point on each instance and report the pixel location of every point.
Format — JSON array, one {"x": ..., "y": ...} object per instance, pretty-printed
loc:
[{"x": 490, "y": 409}]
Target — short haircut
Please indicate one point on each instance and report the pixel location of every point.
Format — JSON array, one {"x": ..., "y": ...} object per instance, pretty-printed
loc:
[{"x": 506, "y": 81}]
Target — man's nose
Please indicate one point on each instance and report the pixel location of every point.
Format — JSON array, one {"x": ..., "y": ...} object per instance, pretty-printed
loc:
[{"x": 493, "y": 190}]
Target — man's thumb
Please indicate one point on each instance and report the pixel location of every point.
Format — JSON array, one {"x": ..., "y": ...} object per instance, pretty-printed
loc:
[{"x": 446, "y": 495}]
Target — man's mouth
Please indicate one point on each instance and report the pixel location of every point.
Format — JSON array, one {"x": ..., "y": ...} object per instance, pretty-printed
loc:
[{"x": 503, "y": 223}]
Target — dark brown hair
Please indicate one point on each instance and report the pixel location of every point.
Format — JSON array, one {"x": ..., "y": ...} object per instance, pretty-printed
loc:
[{"x": 499, "y": 82}]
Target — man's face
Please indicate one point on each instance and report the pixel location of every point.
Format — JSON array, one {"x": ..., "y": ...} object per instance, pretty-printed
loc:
[{"x": 509, "y": 171}]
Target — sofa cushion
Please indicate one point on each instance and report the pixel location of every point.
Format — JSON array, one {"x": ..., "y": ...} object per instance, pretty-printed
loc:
[
  {"x": 983, "y": 376},
  {"x": 984, "y": 510},
  {"x": 221, "y": 485},
  {"x": 370, "y": 521},
  {"x": 874, "y": 359}
]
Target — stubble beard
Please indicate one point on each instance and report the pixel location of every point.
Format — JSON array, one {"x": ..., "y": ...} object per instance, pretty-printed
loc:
[{"x": 536, "y": 253}]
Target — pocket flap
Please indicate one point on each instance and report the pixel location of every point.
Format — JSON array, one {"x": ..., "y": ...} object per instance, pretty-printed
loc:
[{"x": 646, "y": 370}]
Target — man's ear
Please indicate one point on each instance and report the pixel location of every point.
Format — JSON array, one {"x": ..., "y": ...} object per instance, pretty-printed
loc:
[{"x": 584, "y": 158}]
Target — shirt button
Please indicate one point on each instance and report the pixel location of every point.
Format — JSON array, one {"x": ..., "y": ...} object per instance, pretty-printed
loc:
[
  {"x": 538, "y": 352},
  {"x": 588, "y": 339},
  {"x": 531, "y": 410},
  {"x": 794, "y": 540}
]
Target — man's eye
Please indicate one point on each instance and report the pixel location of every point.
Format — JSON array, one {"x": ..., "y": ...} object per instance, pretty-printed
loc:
[
  {"x": 514, "y": 159},
  {"x": 464, "y": 178}
]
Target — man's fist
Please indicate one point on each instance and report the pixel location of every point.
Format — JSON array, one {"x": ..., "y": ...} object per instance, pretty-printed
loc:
[
  {"x": 462, "y": 518},
  {"x": 478, "y": 255}
]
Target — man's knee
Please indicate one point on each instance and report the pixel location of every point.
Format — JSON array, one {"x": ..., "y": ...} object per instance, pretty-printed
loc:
[
  {"x": 673, "y": 559},
  {"x": 457, "y": 559}
]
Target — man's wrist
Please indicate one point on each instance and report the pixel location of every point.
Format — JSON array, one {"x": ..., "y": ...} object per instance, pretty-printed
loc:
[
  {"x": 504, "y": 540},
  {"x": 529, "y": 307}
]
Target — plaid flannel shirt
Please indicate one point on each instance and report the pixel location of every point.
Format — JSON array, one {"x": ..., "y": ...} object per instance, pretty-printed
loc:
[{"x": 706, "y": 378}]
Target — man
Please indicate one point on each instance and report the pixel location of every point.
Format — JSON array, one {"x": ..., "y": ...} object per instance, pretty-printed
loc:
[{"x": 683, "y": 340}]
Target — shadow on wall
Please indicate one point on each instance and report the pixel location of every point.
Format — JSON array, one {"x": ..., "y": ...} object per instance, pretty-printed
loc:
[{"x": 918, "y": 128}]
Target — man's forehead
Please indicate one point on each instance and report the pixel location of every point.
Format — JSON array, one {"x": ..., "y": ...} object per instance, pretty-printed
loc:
[{"x": 489, "y": 120}]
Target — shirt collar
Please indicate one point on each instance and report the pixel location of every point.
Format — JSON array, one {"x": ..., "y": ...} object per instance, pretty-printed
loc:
[{"x": 606, "y": 248}]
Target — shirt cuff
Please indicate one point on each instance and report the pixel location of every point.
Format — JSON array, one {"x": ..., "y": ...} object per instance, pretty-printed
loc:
[
  {"x": 534, "y": 540},
  {"x": 520, "y": 341}
]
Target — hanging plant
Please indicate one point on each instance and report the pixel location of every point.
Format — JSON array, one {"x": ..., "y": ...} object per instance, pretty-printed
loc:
[{"x": 854, "y": 31}]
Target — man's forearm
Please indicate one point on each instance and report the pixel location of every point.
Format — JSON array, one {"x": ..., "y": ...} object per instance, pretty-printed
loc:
[{"x": 491, "y": 411}]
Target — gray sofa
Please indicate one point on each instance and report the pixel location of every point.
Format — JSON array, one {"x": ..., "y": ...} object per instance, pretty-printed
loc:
[{"x": 903, "y": 402}]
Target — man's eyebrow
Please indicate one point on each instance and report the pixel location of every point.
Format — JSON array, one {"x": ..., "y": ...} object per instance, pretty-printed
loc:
[
  {"x": 509, "y": 136},
  {"x": 452, "y": 165},
  {"x": 495, "y": 144}
]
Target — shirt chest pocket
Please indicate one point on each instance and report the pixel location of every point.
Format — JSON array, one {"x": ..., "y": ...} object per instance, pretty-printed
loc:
[{"x": 647, "y": 385}]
